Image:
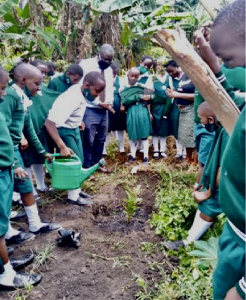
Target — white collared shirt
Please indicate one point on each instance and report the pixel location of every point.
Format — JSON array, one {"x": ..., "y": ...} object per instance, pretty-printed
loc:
[
  {"x": 24, "y": 99},
  {"x": 69, "y": 108},
  {"x": 91, "y": 65}
]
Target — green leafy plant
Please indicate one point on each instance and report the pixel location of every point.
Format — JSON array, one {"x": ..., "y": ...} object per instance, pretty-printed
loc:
[{"x": 132, "y": 202}]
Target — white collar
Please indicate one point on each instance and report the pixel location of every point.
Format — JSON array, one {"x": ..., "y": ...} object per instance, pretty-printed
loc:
[{"x": 24, "y": 99}]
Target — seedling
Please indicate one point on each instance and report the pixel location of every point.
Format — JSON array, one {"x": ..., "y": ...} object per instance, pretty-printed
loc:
[{"x": 132, "y": 202}]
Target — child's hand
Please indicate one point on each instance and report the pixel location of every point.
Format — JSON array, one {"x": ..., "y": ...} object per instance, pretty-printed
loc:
[
  {"x": 82, "y": 126},
  {"x": 146, "y": 97},
  {"x": 151, "y": 117},
  {"x": 20, "y": 173},
  {"x": 233, "y": 294},
  {"x": 49, "y": 157},
  {"x": 66, "y": 152},
  {"x": 107, "y": 106},
  {"x": 24, "y": 144},
  {"x": 122, "y": 108}
]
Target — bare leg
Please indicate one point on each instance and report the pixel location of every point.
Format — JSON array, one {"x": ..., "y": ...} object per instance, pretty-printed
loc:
[{"x": 3, "y": 250}]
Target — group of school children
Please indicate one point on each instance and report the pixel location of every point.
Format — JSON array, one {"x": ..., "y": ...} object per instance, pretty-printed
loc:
[{"x": 78, "y": 110}]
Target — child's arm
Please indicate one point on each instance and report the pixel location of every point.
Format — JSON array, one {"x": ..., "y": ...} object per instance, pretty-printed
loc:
[
  {"x": 202, "y": 196},
  {"x": 150, "y": 114}
]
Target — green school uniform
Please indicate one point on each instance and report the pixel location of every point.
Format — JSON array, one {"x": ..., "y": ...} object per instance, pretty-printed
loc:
[
  {"x": 235, "y": 76},
  {"x": 60, "y": 84},
  {"x": 6, "y": 177},
  {"x": 117, "y": 121},
  {"x": 231, "y": 257},
  {"x": 211, "y": 207},
  {"x": 138, "y": 119},
  {"x": 160, "y": 108}
]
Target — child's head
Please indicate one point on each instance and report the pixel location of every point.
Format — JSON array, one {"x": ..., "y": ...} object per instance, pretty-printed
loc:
[
  {"x": 146, "y": 63},
  {"x": 26, "y": 75},
  {"x": 228, "y": 35},
  {"x": 172, "y": 68},
  {"x": 52, "y": 67},
  {"x": 74, "y": 74},
  {"x": 93, "y": 84},
  {"x": 207, "y": 116},
  {"x": 41, "y": 65},
  {"x": 114, "y": 68},
  {"x": 4, "y": 79},
  {"x": 133, "y": 75}
]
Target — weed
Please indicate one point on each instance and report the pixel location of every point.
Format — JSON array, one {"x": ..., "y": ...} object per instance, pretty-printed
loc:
[
  {"x": 119, "y": 261},
  {"x": 42, "y": 257},
  {"x": 111, "y": 149},
  {"x": 148, "y": 247},
  {"x": 132, "y": 202},
  {"x": 21, "y": 294}
]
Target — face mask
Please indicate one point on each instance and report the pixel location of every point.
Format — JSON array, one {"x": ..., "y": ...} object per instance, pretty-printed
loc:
[
  {"x": 51, "y": 73},
  {"x": 88, "y": 96},
  {"x": 143, "y": 70},
  {"x": 210, "y": 127},
  {"x": 103, "y": 65}
]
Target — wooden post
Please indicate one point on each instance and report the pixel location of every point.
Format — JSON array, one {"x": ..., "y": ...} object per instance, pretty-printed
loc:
[
  {"x": 208, "y": 10},
  {"x": 201, "y": 75}
]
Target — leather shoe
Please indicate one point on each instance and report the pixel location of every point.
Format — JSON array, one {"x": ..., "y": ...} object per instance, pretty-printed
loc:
[
  {"x": 20, "y": 238},
  {"x": 22, "y": 261},
  {"x": 85, "y": 195},
  {"x": 21, "y": 281},
  {"x": 15, "y": 215},
  {"x": 10, "y": 250},
  {"x": 80, "y": 202},
  {"x": 47, "y": 228}
]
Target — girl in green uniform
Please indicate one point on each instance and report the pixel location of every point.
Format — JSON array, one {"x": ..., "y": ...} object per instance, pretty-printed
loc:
[{"x": 138, "y": 116}]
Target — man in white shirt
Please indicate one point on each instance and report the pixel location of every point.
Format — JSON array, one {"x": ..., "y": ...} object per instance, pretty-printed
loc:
[
  {"x": 96, "y": 115},
  {"x": 66, "y": 117}
]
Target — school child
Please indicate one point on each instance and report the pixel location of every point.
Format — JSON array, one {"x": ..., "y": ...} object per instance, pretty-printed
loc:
[
  {"x": 160, "y": 107},
  {"x": 175, "y": 76},
  {"x": 208, "y": 195},
  {"x": 52, "y": 70},
  {"x": 42, "y": 66},
  {"x": 15, "y": 109},
  {"x": 227, "y": 40},
  {"x": 9, "y": 279},
  {"x": 73, "y": 75},
  {"x": 64, "y": 121},
  {"x": 117, "y": 121},
  {"x": 138, "y": 115}
]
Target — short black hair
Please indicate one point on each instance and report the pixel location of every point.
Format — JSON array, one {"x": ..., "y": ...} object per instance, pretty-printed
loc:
[
  {"x": 233, "y": 17},
  {"x": 11, "y": 72},
  {"x": 3, "y": 73},
  {"x": 75, "y": 69},
  {"x": 37, "y": 62},
  {"x": 147, "y": 57},
  {"x": 51, "y": 65},
  {"x": 171, "y": 63},
  {"x": 114, "y": 66},
  {"x": 93, "y": 77}
]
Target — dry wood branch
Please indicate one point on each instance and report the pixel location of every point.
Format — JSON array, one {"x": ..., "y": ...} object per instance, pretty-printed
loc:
[{"x": 201, "y": 75}]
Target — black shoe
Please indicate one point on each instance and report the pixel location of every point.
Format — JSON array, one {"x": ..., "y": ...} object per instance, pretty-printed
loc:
[
  {"x": 174, "y": 245},
  {"x": 47, "y": 175},
  {"x": 85, "y": 195},
  {"x": 131, "y": 159},
  {"x": 20, "y": 238},
  {"x": 156, "y": 155},
  {"x": 145, "y": 161},
  {"x": 15, "y": 215},
  {"x": 80, "y": 201},
  {"x": 46, "y": 190},
  {"x": 22, "y": 261},
  {"x": 10, "y": 250},
  {"x": 47, "y": 228},
  {"x": 21, "y": 281},
  {"x": 38, "y": 199}
]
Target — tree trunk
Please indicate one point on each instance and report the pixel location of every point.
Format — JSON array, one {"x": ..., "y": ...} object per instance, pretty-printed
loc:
[{"x": 201, "y": 75}]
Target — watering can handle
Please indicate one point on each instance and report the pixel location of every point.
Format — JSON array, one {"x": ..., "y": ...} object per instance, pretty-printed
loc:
[{"x": 47, "y": 165}]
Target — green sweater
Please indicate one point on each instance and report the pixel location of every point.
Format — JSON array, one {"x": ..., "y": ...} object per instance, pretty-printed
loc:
[
  {"x": 17, "y": 121},
  {"x": 60, "y": 84},
  {"x": 235, "y": 76},
  {"x": 6, "y": 149}
]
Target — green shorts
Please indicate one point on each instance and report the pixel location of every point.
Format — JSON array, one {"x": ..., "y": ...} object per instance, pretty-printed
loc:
[
  {"x": 6, "y": 194},
  {"x": 22, "y": 186},
  {"x": 203, "y": 141},
  {"x": 211, "y": 207},
  {"x": 231, "y": 265}
]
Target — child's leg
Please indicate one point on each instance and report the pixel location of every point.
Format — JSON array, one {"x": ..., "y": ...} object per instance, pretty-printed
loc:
[
  {"x": 7, "y": 273},
  {"x": 133, "y": 148},
  {"x": 200, "y": 226},
  {"x": 179, "y": 148},
  {"x": 115, "y": 135},
  {"x": 11, "y": 232},
  {"x": 106, "y": 143},
  {"x": 146, "y": 148},
  {"x": 38, "y": 171},
  {"x": 163, "y": 141},
  {"x": 73, "y": 194},
  {"x": 29, "y": 172},
  {"x": 155, "y": 141},
  {"x": 121, "y": 139}
]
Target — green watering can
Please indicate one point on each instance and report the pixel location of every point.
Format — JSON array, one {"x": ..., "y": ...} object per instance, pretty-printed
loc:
[{"x": 67, "y": 172}]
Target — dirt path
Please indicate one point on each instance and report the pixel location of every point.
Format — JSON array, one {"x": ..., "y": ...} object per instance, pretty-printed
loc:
[{"x": 112, "y": 251}]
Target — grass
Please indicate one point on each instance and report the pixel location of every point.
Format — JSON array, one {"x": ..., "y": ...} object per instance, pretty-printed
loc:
[{"x": 42, "y": 257}]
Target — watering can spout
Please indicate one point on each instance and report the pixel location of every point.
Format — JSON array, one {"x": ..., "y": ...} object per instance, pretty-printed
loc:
[{"x": 86, "y": 173}]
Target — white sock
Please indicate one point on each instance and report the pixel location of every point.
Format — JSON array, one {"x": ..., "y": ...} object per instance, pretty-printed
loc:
[
  {"x": 179, "y": 148},
  {"x": 16, "y": 196},
  {"x": 11, "y": 232},
  {"x": 163, "y": 144},
  {"x": 8, "y": 276},
  {"x": 139, "y": 145},
  {"x": 73, "y": 194},
  {"x": 38, "y": 171},
  {"x": 198, "y": 228},
  {"x": 115, "y": 135},
  {"x": 133, "y": 148},
  {"x": 145, "y": 148},
  {"x": 121, "y": 139},
  {"x": 33, "y": 217},
  {"x": 106, "y": 144},
  {"x": 29, "y": 172},
  {"x": 155, "y": 142},
  {"x": 184, "y": 153}
]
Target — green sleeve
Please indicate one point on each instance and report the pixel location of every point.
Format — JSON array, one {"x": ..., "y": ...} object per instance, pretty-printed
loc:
[
  {"x": 7, "y": 108},
  {"x": 52, "y": 85},
  {"x": 30, "y": 134},
  {"x": 241, "y": 287},
  {"x": 131, "y": 100}
]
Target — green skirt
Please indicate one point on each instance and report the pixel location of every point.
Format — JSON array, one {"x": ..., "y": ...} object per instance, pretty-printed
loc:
[
  {"x": 159, "y": 124},
  {"x": 173, "y": 120},
  {"x": 211, "y": 207},
  {"x": 138, "y": 122}
]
